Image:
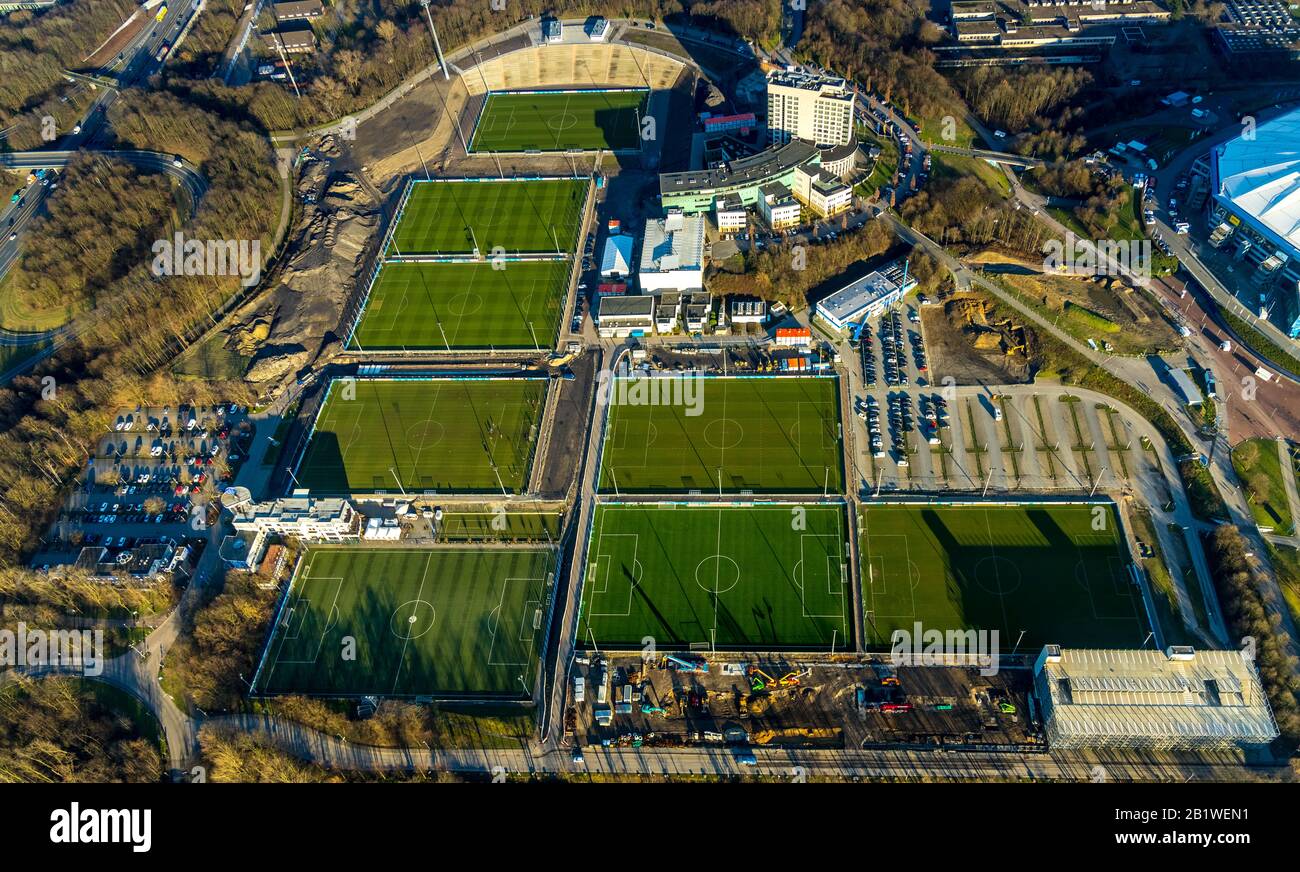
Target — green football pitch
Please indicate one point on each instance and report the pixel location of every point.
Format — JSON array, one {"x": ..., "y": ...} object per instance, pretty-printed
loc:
[
  {"x": 677, "y": 434},
  {"x": 1044, "y": 569},
  {"x": 756, "y": 577},
  {"x": 499, "y": 525},
  {"x": 586, "y": 120},
  {"x": 455, "y": 217},
  {"x": 464, "y": 305},
  {"x": 410, "y": 622},
  {"x": 443, "y": 435}
]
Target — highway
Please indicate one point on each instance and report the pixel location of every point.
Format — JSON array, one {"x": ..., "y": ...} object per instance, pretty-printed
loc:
[{"x": 134, "y": 64}]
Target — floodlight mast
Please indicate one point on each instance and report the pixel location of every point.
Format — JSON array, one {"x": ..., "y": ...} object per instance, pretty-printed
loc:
[
  {"x": 279, "y": 46},
  {"x": 437, "y": 47}
]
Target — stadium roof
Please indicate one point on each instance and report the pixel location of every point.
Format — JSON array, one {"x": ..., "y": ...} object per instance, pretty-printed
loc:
[
  {"x": 1261, "y": 176},
  {"x": 1181, "y": 694}
]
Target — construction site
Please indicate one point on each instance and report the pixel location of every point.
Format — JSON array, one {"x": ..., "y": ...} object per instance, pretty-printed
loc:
[
  {"x": 970, "y": 342},
  {"x": 810, "y": 702}
]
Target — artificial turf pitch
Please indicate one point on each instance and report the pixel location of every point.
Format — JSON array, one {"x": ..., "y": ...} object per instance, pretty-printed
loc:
[
  {"x": 443, "y": 435},
  {"x": 1043, "y": 569},
  {"x": 753, "y": 577},
  {"x": 586, "y": 120},
  {"x": 768, "y": 435},
  {"x": 423, "y": 622},
  {"x": 518, "y": 216},
  {"x": 515, "y": 304}
]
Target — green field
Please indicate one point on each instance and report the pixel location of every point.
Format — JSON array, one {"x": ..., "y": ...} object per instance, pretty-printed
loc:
[
  {"x": 1259, "y": 466},
  {"x": 455, "y": 217},
  {"x": 425, "y": 622},
  {"x": 478, "y": 526},
  {"x": 464, "y": 305},
  {"x": 758, "y": 577},
  {"x": 434, "y": 435},
  {"x": 1040, "y": 569},
  {"x": 586, "y": 120},
  {"x": 770, "y": 435}
]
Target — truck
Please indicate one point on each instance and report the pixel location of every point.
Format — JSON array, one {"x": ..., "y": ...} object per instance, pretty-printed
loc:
[{"x": 162, "y": 13}]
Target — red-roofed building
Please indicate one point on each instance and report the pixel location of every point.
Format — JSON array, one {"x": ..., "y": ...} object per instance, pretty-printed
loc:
[
  {"x": 742, "y": 122},
  {"x": 794, "y": 337}
]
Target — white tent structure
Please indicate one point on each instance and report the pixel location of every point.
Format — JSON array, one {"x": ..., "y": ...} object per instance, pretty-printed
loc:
[{"x": 616, "y": 261}]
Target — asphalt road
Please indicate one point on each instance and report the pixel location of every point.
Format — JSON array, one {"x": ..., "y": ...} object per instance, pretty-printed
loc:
[{"x": 135, "y": 64}]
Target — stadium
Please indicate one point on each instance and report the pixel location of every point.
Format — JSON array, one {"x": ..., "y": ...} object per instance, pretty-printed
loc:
[
  {"x": 564, "y": 120},
  {"x": 1255, "y": 182}
]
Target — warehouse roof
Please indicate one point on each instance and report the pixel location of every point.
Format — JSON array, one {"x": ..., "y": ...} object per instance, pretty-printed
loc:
[
  {"x": 673, "y": 243},
  {"x": 1134, "y": 694}
]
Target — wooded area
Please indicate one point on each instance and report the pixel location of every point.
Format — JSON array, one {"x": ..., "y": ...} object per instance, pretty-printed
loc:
[
  {"x": 221, "y": 641},
  {"x": 1236, "y": 575},
  {"x": 787, "y": 272},
  {"x": 139, "y": 320},
  {"x": 964, "y": 213},
  {"x": 65, "y": 730},
  {"x": 98, "y": 227},
  {"x": 35, "y": 49}
]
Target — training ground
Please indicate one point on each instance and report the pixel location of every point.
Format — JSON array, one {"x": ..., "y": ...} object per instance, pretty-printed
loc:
[
  {"x": 431, "y": 622},
  {"x": 585, "y": 120},
  {"x": 729, "y": 577},
  {"x": 761, "y": 434},
  {"x": 509, "y": 216},
  {"x": 423, "y": 435},
  {"x": 1056, "y": 572},
  {"x": 456, "y": 306}
]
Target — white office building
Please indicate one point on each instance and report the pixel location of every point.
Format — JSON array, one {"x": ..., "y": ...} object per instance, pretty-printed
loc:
[{"x": 818, "y": 109}]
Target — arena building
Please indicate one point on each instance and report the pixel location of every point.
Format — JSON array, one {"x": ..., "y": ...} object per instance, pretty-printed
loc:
[{"x": 1256, "y": 210}]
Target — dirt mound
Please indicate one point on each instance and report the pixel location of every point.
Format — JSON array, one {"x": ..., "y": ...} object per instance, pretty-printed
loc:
[
  {"x": 969, "y": 346},
  {"x": 296, "y": 322}
]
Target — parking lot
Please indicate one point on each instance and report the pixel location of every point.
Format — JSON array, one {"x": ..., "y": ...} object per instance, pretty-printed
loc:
[
  {"x": 914, "y": 432},
  {"x": 155, "y": 475}
]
